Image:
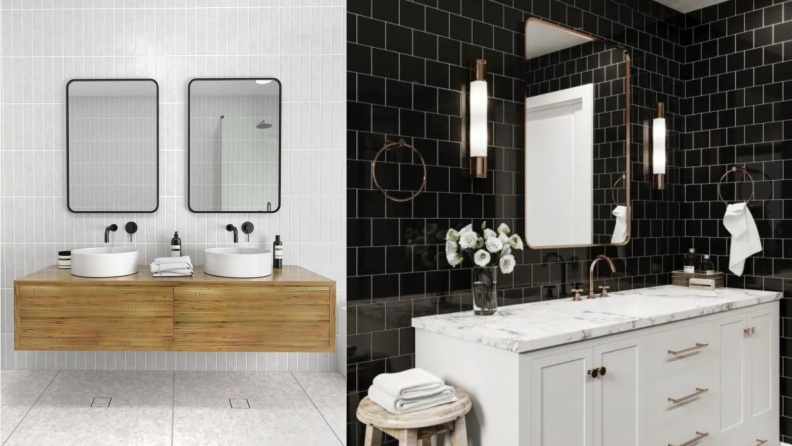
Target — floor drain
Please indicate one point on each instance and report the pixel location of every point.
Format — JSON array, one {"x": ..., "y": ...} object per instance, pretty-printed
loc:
[
  {"x": 239, "y": 403},
  {"x": 101, "y": 402}
]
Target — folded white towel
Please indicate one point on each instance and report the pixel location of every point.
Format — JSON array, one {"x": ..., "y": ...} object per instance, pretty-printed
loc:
[
  {"x": 745, "y": 240},
  {"x": 396, "y": 405},
  {"x": 182, "y": 259},
  {"x": 620, "y": 231},
  {"x": 174, "y": 273},
  {"x": 175, "y": 266},
  {"x": 409, "y": 384}
]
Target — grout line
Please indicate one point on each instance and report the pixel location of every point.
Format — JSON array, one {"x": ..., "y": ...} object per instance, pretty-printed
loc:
[
  {"x": 31, "y": 407},
  {"x": 317, "y": 408},
  {"x": 173, "y": 409}
]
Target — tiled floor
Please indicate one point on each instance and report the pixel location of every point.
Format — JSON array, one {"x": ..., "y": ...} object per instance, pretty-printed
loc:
[{"x": 172, "y": 408}]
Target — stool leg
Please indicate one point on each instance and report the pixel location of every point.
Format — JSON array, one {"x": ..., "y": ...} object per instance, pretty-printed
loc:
[
  {"x": 409, "y": 438},
  {"x": 459, "y": 436},
  {"x": 373, "y": 436}
]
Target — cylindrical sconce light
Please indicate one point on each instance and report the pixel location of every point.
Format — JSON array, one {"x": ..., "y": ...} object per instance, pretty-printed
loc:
[
  {"x": 478, "y": 122},
  {"x": 659, "y": 133}
]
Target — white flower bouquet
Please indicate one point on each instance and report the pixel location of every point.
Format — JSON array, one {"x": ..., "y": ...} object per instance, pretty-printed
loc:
[{"x": 490, "y": 250}]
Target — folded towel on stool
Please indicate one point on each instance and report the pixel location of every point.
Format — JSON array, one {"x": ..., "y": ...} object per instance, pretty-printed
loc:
[
  {"x": 396, "y": 405},
  {"x": 410, "y": 384}
]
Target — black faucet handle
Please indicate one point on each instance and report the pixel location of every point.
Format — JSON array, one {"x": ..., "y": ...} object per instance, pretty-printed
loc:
[
  {"x": 247, "y": 227},
  {"x": 131, "y": 228}
]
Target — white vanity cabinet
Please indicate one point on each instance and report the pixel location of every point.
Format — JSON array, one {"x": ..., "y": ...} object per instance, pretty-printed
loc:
[{"x": 711, "y": 373}]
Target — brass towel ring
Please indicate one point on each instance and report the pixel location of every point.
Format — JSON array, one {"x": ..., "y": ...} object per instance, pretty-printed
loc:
[
  {"x": 613, "y": 189},
  {"x": 746, "y": 174},
  {"x": 386, "y": 147}
]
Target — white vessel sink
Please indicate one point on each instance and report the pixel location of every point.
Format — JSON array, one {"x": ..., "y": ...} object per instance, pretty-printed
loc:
[
  {"x": 104, "y": 262},
  {"x": 238, "y": 262}
]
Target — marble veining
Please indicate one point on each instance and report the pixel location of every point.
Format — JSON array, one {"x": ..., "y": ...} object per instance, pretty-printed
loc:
[{"x": 533, "y": 326}]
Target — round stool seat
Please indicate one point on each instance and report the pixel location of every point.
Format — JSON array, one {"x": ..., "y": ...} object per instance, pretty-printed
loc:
[{"x": 371, "y": 413}]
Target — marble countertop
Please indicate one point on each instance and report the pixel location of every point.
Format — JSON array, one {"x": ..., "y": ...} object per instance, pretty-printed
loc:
[{"x": 534, "y": 326}]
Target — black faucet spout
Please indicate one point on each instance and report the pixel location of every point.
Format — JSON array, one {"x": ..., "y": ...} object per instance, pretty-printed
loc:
[
  {"x": 113, "y": 228},
  {"x": 229, "y": 228}
]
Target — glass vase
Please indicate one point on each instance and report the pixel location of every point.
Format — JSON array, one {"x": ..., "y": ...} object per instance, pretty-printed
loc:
[{"x": 485, "y": 290}]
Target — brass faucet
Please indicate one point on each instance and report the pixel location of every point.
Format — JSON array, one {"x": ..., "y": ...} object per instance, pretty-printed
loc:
[{"x": 591, "y": 275}]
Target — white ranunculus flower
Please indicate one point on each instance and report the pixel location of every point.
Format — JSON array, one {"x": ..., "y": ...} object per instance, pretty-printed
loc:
[
  {"x": 503, "y": 238},
  {"x": 453, "y": 258},
  {"x": 482, "y": 258},
  {"x": 503, "y": 229},
  {"x": 466, "y": 229},
  {"x": 451, "y": 247},
  {"x": 515, "y": 242},
  {"x": 489, "y": 233},
  {"x": 493, "y": 244},
  {"x": 468, "y": 240},
  {"x": 452, "y": 235},
  {"x": 507, "y": 264}
]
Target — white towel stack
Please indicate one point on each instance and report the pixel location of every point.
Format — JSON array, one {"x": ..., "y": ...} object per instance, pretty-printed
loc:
[
  {"x": 411, "y": 390},
  {"x": 172, "y": 267}
]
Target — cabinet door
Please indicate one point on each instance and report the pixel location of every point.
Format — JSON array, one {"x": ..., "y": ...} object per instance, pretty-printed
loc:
[
  {"x": 561, "y": 399},
  {"x": 763, "y": 357},
  {"x": 617, "y": 397},
  {"x": 734, "y": 371}
]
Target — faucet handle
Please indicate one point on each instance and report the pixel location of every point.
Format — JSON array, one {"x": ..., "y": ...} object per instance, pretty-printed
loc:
[
  {"x": 604, "y": 291},
  {"x": 577, "y": 295}
]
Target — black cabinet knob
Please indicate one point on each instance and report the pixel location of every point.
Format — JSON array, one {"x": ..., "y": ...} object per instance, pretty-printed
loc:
[
  {"x": 593, "y": 373},
  {"x": 603, "y": 371}
]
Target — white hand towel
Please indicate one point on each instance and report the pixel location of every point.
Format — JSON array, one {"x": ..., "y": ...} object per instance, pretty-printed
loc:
[
  {"x": 745, "y": 240},
  {"x": 174, "y": 273},
  {"x": 182, "y": 259},
  {"x": 409, "y": 384},
  {"x": 400, "y": 405},
  {"x": 620, "y": 231}
]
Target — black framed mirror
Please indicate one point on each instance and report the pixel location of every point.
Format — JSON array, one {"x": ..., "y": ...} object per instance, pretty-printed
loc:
[
  {"x": 234, "y": 145},
  {"x": 112, "y": 145}
]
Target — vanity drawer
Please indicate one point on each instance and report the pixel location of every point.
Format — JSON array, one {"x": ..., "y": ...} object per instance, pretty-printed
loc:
[
  {"x": 680, "y": 432},
  {"x": 693, "y": 391},
  {"x": 679, "y": 348},
  {"x": 254, "y": 319}
]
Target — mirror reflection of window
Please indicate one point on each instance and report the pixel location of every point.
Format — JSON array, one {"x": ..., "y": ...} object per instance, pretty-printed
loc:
[
  {"x": 112, "y": 145},
  {"x": 235, "y": 136},
  {"x": 575, "y": 135}
]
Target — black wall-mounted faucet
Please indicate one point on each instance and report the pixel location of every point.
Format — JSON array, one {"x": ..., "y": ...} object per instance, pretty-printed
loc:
[
  {"x": 229, "y": 228},
  {"x": 113, "y": 228},
  {"x": 131, "y": 228}
]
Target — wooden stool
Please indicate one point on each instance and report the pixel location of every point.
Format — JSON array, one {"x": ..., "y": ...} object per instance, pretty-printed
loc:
[{"x": 412, "y": 428}]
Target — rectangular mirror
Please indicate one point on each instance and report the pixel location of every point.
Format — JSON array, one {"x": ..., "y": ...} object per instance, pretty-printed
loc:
[
  {"x": 112, "y": 145},
  {"x": 577, "y": 159},
  {"x": 234, "y": 145}
]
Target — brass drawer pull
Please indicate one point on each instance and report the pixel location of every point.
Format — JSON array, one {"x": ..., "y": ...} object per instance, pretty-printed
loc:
[
  {"x": 760, "y": 442},
  {"x": 698, "y": 346},
  {"x": 698, "y": 392},
  {"x": 700, "y": 436}
]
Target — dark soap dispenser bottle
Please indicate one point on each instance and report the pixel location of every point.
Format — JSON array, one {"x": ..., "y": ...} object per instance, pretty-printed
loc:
[
  {"x": 277, "y": 253},
  {"x": 175, "y": 250}
]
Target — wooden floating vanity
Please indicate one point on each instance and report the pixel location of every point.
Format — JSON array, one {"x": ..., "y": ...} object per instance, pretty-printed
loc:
[{"x": 293, "y": 310}]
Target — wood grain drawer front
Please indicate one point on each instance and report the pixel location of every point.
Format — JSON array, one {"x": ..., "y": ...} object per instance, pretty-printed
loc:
[
  {"x": 678, "y": 348},
  {"x": 248, "y": 319},
  {"x": 55, "y": 317},
  {"x": 691, "y": 391}
]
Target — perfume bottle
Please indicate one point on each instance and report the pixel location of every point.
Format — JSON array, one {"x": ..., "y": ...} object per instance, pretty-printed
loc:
[
  {"x": 691, "y": 263},
  {"x": 277, "y": 253},
  {"x": 175, "y": 249},
  {"x": 707, "y": 266}
]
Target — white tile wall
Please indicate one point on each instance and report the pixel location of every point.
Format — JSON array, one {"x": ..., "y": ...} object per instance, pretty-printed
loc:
[{"x": 44, "y": 43}]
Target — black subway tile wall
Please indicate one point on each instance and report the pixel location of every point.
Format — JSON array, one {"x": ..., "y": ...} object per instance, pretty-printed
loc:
[
  {"x": 409, "y": 66},
  {"x": 738, "y": 112}
]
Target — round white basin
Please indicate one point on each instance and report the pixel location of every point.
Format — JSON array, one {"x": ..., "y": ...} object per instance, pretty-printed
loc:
[
  {"x": 104, "y": 262},
  {"x": 238, "y": 262}
]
